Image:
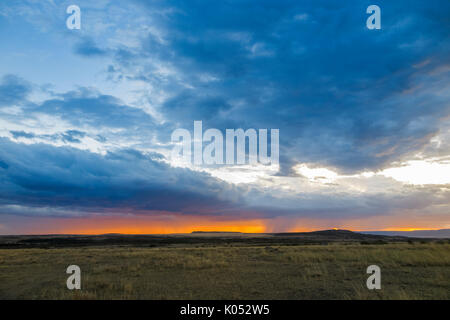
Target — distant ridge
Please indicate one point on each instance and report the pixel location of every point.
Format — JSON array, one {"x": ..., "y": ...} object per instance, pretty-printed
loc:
[
  {"x": 319, "y": 232},
  {"x": 442, "y": 233},
  {"x": 329, "y": 234},
  {"x": 209, "y": 238}
]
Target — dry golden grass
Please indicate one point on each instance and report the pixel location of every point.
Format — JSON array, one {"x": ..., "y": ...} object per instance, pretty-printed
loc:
[{"x": 337, "y": 271}]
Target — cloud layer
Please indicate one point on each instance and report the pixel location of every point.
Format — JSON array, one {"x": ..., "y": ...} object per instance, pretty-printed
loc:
[{"x": 86, "y": 116}]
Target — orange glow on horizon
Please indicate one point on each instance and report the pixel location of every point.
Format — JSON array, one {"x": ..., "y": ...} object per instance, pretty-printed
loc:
[
  {"x": 158, "y": 229},
  {"x": 173, "y": 223},
  {"x": 139, "y": 225},
  {"x": 236, "y": 226}
]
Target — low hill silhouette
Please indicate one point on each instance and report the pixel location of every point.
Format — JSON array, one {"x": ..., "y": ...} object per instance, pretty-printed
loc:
[{"x": 200, "y": 238}]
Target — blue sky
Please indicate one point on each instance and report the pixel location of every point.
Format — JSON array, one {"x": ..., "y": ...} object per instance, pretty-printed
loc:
[{"x": 86, "y": 115}]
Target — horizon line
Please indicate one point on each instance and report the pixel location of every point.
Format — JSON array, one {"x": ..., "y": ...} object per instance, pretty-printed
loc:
[{"x": 212, "y": 231}]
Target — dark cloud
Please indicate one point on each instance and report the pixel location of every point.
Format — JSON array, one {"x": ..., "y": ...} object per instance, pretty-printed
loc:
[
  {"x": 13, "y": 90},
  {"x": 206, "y": 108},
  {"x": 72, "y": 136},
  {"x": 87, "y": 107},
  {"x": 22, "y": 134},
  {"x": 88, "y": 48},
  {"x": 129, "y": 181},
  {"x": 341, "y": 95},
  {"x": 43, "y": 175}
]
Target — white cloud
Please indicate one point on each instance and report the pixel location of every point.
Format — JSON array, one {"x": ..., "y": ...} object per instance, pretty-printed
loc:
[{"x": 420, "y": 172}]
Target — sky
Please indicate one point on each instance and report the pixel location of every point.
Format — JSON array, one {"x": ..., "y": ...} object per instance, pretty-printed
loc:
[{"x": 86, "y": 115}]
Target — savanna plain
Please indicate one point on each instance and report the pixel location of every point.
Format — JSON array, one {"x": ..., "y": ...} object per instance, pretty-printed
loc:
[{"x": 244, "y": 269}]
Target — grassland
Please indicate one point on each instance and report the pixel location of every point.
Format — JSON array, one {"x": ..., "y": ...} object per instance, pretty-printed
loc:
[{"x": 329, "y": 271}]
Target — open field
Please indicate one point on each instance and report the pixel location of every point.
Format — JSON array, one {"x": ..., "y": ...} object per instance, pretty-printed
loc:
[{"x": 332, "y": 270}]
